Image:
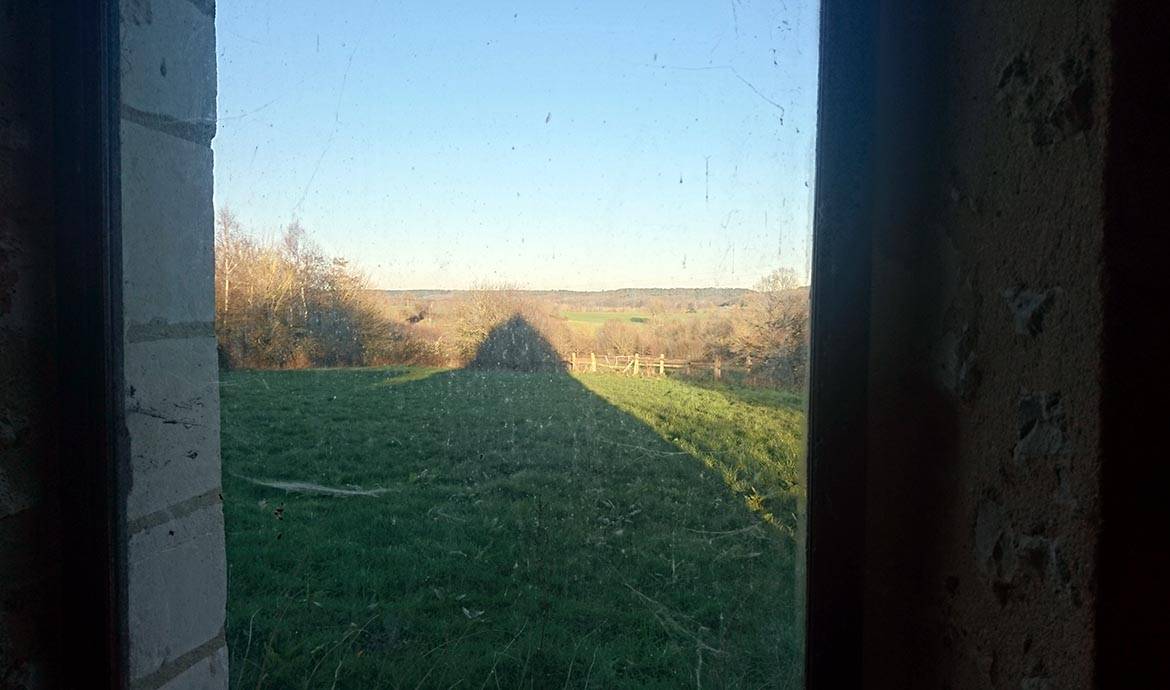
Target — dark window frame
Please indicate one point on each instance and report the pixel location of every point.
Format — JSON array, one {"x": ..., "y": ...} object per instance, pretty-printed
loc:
[
  {"x": 93, "y": 449},
  {"x": 91, "y": 445},
  {"x": 839, "y": 355}
]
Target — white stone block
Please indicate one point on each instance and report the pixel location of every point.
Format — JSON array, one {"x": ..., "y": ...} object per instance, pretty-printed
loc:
[
  {"x": 210, "y": 673},
  {"x": 168, "y": 232},
  {"x": 172, "y": 416},
  {"x": 168, "y": 59},
  {"x": 177, "y": 587}
]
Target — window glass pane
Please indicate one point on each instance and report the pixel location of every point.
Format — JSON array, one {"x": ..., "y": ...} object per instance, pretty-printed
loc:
[{"x": 512, "y": 309}]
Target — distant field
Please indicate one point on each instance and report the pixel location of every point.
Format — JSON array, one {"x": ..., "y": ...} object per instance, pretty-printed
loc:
[
  {"x": 590, "y": 321},
  {"x": 531, "y": 530},
  {"x": 600, "y": 317},
  {"x": 627, "y": 298}
]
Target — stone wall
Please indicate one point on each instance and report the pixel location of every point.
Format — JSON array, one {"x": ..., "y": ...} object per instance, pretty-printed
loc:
[
  {"x": 176, "y": 575},
  {"x": 982, "y": 489},
  {"x": 29, "y": 536}
]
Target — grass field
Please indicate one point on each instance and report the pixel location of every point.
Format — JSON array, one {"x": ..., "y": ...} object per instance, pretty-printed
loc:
[
  {"x": 587, "y": 322},
  {"x": 529, "y": 530},
  {"x": 599, "y": 317}
]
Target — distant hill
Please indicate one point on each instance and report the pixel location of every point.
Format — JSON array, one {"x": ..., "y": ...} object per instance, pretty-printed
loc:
[{"x": 625, "y": 298}]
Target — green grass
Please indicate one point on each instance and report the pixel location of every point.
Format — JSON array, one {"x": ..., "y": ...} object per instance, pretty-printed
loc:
[{"x": 538, "y": 530}]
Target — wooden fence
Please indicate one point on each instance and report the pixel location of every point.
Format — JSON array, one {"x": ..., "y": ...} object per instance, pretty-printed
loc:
[{"x": 649, "y": 365}]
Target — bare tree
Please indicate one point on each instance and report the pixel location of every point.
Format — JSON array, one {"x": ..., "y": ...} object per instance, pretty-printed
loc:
[
  {"x": 283, "y": 303},
  {"x": 227, "y": 229},
  {"x": 774, "y": 330},
  {"x": 777, "y": 281}
]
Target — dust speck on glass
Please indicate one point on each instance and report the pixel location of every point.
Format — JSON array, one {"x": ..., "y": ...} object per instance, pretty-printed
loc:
[{"x": 512, "y": 311}]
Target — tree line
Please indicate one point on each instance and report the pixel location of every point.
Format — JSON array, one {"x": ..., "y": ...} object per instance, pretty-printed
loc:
[{"x": 282, "y": 303}]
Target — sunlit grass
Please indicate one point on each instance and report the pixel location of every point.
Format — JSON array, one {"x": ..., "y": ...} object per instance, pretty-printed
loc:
[
  {"x": 400, "y": 375},
  {"x": 538, "y": 530},
  {"x": 600, "y": 317},
  {"x": 750, "y": 437}
]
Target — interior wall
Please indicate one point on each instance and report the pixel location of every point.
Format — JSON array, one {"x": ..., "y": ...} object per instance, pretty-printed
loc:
[
  {"x": 29, "y": 534},
  {"x": 982, "y": 487},
  {"x": 176, "y": 567}
]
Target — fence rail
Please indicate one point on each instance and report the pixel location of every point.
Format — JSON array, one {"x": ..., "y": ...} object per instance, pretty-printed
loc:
[{"x": 649, "y": 365}]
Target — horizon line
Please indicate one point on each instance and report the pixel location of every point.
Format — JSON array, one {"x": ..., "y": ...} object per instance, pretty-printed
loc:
[{"x": 622, "y": 289}]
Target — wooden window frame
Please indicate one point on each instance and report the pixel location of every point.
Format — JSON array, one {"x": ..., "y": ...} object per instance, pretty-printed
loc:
[
  {"x": 91, "y": 448},
  {"x": 839, "y": 355},
  {"x": 92, "y": 441}
]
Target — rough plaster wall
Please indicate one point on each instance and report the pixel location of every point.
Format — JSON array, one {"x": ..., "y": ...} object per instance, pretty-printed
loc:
[
  {"x": 986, "y": 323},
  {"x": 176, "y": 577},
  {"x": 29, "y": 577}
]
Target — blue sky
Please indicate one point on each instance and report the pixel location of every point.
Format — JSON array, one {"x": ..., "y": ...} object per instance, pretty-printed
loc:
[{"x": 577, "y": 145}]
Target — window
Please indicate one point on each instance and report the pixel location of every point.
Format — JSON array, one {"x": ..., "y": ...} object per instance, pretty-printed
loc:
[
  {"x": 601, "y": 423},
  {"x": 512, "y": 309}
]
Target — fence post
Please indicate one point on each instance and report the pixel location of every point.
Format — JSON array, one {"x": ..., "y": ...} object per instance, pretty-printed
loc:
[
  {"x": 635, "y": 364},
  {"x": 661, "y": 364},
  {"x": 592, "y": 363},
  {"x": 749, "y": 363},
  {"x": 574, "y": 360},
  {"x": 718, "y": 368}
]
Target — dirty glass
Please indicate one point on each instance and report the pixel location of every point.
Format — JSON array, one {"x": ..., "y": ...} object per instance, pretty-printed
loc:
[{"x": 512, "y": 312}]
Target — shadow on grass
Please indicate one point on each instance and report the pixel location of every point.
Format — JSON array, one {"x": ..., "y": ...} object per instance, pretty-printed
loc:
[
  {"x": 516, "y": 345},
  {"x": 534, "y": 535}
]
